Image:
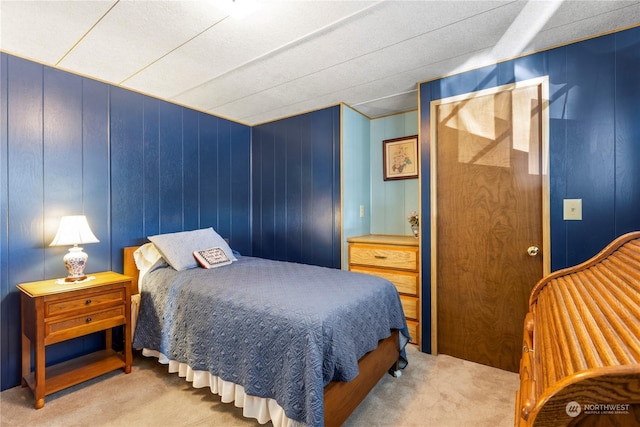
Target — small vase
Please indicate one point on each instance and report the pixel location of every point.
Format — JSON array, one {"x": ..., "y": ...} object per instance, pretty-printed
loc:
[{"x": 415, "y": 230}]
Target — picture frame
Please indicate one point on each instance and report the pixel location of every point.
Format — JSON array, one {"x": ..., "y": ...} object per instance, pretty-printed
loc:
[{"x": 400, "y": 158}]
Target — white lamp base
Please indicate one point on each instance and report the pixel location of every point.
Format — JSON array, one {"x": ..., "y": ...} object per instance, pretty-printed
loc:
[{"x": 75, "y": 261}]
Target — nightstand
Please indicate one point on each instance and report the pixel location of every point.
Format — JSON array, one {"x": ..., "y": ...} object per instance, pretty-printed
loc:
[
  {"x": 397, "y": 259},
  {"x": 53, "y": 312}
]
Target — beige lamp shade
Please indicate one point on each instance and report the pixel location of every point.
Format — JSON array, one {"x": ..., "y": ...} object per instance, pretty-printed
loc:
[{"x": 74, "y": 230}]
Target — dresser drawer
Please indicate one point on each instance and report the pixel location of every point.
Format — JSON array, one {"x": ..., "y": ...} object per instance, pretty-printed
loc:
[
  {"x": 384, "y": 256},
  {"x": 85, "y": 300},
  {"x": 395, "y": 258},
  {"x": 68, "y": 327},
  {"x": 410, "y": 307},
  {"x": 413, "y": 331},
  {"x": 405, "y": 282}
]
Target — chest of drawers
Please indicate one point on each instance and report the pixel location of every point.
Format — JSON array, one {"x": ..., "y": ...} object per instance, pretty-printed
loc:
[
  {"x": 54, "y": 312},
  {"x": 397, "y": 259}
]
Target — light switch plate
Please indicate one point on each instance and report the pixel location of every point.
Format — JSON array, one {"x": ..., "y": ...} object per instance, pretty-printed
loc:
[{"x": 572, "y": 210}]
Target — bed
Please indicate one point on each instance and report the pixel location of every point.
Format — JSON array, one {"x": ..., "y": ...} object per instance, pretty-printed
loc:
[{"x": 294, "y": 352}]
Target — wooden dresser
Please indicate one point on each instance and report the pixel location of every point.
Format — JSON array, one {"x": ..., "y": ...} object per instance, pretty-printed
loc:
[
  {"x": 580, "y": 363},
  {"x": 397, "y": 259}
]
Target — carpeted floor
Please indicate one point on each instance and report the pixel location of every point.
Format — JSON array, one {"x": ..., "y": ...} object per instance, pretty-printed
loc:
[{"x": 438, "y": 391}]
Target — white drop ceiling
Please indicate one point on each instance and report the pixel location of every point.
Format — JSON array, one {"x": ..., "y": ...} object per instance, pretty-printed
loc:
[{"x": 291, "y": 56}]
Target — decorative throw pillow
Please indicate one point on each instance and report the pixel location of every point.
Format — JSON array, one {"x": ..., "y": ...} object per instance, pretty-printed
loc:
[
  {"x": 178, "y": 248},
  {"x": 211, "y": 258}
]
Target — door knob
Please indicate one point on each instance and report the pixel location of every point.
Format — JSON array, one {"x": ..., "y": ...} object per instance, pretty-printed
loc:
[{"x": 533, "y": 250}]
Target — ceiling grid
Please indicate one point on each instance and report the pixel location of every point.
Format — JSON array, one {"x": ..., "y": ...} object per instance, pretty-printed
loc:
[{"x": 293, "y": 56}]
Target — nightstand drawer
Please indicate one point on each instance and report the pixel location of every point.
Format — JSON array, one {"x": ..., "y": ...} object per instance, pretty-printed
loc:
[
  {"x": 406, "y": 283},
  {"x": 87, "y": 300},
  {"x": 66, "y": 328},
  {"x": 384, "y": 256}
]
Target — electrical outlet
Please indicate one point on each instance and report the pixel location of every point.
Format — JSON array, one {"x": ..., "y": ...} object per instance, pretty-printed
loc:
[{"x": 361, "y": 211}]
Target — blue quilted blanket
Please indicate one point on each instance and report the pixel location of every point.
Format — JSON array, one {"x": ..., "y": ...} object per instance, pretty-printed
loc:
[{"x": 281, "y": 330}]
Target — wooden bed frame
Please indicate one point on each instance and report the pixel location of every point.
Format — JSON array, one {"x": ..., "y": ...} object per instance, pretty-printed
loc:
[{"x": 340, "y": 398}]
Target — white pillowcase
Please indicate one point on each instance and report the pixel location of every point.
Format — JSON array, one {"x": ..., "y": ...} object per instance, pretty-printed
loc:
[
  {"x": 145, "y": 257},
  {"x": 177, "y": 248}
]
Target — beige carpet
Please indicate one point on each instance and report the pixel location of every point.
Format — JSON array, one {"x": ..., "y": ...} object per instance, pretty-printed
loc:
[{"x": 437, "y": 391}]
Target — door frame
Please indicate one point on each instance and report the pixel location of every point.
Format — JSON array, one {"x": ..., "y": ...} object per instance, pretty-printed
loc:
[{"x": 543, "y": 82}]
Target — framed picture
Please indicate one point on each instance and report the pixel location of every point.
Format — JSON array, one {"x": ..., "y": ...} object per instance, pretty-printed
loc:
[{"x": 400, "y": 158}]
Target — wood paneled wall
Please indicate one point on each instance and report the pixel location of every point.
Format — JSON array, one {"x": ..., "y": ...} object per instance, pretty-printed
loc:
[
  {"x": 296, "y": 188},
  {"x": 135, "y": 165},
  {"x": 594, "y": 141}
]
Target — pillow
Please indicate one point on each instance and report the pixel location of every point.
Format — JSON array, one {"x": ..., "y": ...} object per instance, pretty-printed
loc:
[
  {"x": 177, "y": 248},
  {"x": 211, "y": 258},
  {"x": 145, "y": 257}
]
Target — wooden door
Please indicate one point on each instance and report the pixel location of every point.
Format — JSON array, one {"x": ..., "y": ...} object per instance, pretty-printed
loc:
[{"x": 488, "y": 177}]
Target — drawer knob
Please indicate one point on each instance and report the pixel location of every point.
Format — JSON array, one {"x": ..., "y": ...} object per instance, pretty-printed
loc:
[
  {"x": 87, "y": 302},
  {"x": 88, "y": 319},
  {"x": 380, "y": 256}
]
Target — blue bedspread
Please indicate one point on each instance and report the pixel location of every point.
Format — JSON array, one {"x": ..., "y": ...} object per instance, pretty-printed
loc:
[{"x": 281, "y": 330}]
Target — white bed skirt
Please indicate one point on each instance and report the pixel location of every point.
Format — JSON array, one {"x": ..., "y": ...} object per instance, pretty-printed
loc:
[{"x": 260, "y": 408}]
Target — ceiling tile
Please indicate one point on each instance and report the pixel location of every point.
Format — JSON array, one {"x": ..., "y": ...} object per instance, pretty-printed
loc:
[
  {"x": 45, "y": 30},
  {"x": 137, "y": 33},
  {"x": 293, "y": 56},
  {"x": 234, "y": 44}
]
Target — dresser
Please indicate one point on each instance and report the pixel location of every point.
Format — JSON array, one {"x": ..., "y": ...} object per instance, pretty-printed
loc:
[
  {"x": 52, "y": 312},
  {"x": 397, "y": 259}
]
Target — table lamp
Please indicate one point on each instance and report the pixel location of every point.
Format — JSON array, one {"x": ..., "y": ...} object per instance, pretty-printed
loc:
[{"x": 74, "y": 230}]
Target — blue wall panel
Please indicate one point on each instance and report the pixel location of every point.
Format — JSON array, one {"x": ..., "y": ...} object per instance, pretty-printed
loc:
[
  {"x": 95, "y": 175},
  {"x": 208, "y": 167},
  {"x": 191, "y": 174},
  {"x": 225, "y": 170},
  {"x": 282, "y": 159},
  {"x": 428, "y": 91},
  {"x": 627, "y": 131},
  {"x": 296, "y": 175},
  {"x": 262, "y": 147},
  {"x": 127, "y": 172},
  {"x": 241, "y": 226},
  {"x": 63, "y": 184},
  {"x": 171, "y": 164},
  {"x": 590, "y": 145},
  {"x": 62, "y": 158},
  {"x": 24, "y": 171},
  {"x": 131, "y": 163},
  {"x": 594, "y": 131},
  {"x": 8, "y": 339},
  {"x": 293, "y": 227},
  {"x": 150, "y": 141},
  {"x": 530, "y": 67}
]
